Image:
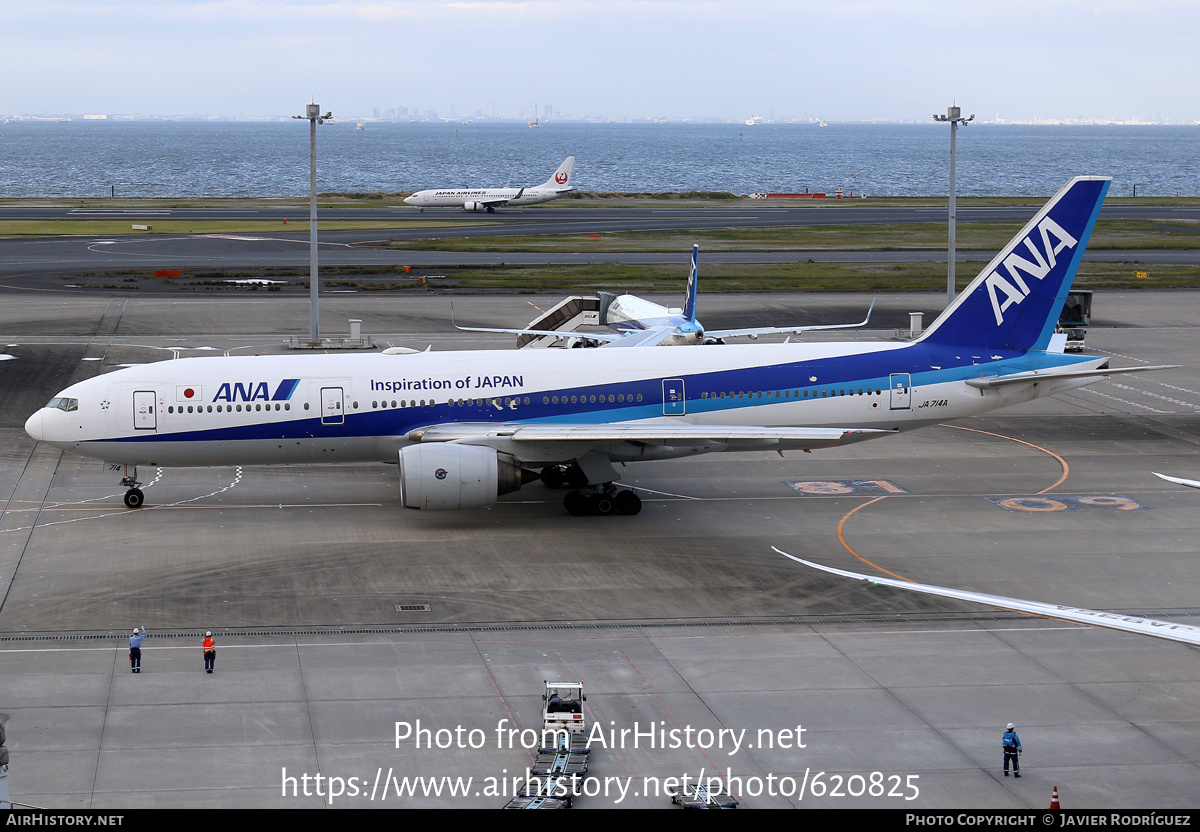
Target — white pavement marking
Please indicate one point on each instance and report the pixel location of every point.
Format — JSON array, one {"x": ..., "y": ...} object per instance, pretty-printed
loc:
[
  {"x": 1154, "y": 395},
  {"x": 127, "y": 511},
  {"x": 1125, "y": 401}
]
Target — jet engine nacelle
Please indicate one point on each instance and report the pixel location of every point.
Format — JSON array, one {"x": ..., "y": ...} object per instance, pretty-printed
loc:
[
  {"x": 445, "y": 476},
  {"x": 472, "y": 206}
]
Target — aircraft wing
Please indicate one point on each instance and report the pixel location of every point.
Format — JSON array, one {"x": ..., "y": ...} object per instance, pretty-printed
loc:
[
  {"x": 1177, "y": 480},
  {"x": 554, "y": 333},
  {"x": 651, "y": 337},
  {"x": 1054, "y": 375},
  {"x": 754, "y": 332},
  {"x": 1097, "y": 618},
  {"x": 653, "y": 433},
  {"x": 630, "y": 338}
]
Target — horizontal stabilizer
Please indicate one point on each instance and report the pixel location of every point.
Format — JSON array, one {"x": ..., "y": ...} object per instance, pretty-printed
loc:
[
  {"x": 1055, "y": 375},
  {"x": 1096, "y": 618}
]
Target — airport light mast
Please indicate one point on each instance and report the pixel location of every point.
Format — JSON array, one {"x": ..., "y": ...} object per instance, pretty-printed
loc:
[
  {"x": 312, "y": 113},
  {"x": 954, "y": 116}
]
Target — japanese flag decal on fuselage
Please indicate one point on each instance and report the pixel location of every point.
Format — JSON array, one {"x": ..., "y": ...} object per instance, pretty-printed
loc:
[{"x": 1016, "y": 300}]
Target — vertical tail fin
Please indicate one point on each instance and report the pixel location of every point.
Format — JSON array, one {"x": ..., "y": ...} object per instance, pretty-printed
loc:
[
  {"x": 1015, "y": 301},
  {"x": 561, "y": 180},
  {"x": 693, "y": 286}
]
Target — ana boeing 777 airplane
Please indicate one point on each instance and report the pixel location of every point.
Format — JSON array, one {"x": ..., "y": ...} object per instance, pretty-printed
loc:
[
  {"x": 489, "y": 199},
  {"x": 650, "y": 324},
  {"x": 466, "y": 427}
]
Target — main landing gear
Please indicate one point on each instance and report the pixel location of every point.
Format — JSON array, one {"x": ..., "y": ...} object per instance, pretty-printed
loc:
[
  {"x": 134, "y": 498},
  {"x": 602, "y": 499}
]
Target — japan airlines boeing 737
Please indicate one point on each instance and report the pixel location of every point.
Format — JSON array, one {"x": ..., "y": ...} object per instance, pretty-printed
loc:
[
  {"x": 489, "y": 199},
  {"x": 466, "y": 427},
  {"x": 650, "y": 324}
]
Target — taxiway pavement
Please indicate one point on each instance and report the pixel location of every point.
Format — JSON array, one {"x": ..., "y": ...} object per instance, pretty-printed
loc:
[
  {"x": 679, "y": 617},
  {"x": 26, "y": 259}
]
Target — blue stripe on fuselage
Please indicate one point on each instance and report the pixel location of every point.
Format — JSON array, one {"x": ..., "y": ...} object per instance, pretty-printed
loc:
[{"x": 926, "y": 363}]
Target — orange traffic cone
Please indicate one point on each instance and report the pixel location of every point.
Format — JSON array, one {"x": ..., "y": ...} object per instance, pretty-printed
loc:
[{"x": 1054, "y": 799}]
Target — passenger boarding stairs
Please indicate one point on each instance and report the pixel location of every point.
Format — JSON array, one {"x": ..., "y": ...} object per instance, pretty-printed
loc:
[{"x": 571, "y": 313}]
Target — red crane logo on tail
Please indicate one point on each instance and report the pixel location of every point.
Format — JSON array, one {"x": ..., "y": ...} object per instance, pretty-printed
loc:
[{"x": 561, "y": 177}]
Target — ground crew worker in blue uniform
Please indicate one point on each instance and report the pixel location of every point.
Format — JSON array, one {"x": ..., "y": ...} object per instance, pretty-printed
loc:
[
  {"x": 1012, "y": 750},
  {"x": 135, "y": 649},
  {"x": 210, "y": 652}
]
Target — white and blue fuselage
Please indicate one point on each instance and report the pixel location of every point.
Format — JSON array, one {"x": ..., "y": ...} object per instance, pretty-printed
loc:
[
  {"x": 467, "y": 426},
  {"x": 342, "y": 408}
]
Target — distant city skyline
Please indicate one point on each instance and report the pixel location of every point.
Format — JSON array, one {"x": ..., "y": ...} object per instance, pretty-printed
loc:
[
  {"x": 380, "y": 115},
  {"x": 840, "y": 60}
]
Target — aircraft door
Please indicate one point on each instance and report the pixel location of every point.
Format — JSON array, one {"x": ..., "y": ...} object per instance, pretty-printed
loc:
[
  {"x": 144, "y": 417},
  {"x": 674, "y": 400},
  {"x": 901, "y": 391},
  {"x": 332, "y": 406}
]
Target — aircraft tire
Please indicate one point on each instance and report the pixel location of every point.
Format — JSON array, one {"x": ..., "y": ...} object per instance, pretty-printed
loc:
[
  {"x": 553, "y": 476},
  {"x": 575, "y": 503},
  {"x": 602, "y": 504},
  {"x": 134, "y": 498},
  {"x": 628, "y": 503}
]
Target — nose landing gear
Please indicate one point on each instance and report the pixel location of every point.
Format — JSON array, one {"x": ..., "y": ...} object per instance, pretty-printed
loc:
[{"x": 134, "y": 498}]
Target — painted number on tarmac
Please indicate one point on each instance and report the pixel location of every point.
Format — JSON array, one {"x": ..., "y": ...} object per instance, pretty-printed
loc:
[
  {"x": 1060, "y": 503},
  {"x": 843, "y": 488}
]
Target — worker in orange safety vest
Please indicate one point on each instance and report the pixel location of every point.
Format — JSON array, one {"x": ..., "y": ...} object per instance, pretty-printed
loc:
[{"x": 210, "y": 652}]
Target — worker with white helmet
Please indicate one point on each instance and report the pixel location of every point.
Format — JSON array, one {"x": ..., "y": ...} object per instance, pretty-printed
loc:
[
  {"x": 135, "y": 649},
  {"x": 210, "y": 652},
  {"x": 1012, "y": 749}
]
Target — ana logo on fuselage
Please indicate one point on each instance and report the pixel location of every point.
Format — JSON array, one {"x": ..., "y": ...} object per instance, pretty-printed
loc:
[
  {"x": 256, "y": 391},
  {"x": 1047, "y": 258}
]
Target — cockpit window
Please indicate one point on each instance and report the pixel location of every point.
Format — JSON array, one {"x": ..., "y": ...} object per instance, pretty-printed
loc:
[{"x": 63, "y": 403}]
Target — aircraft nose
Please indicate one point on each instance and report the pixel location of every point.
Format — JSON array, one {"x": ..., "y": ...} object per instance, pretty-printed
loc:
[
  {"x": 409, "y": 200},
  {"x": 33, "y": 426}
]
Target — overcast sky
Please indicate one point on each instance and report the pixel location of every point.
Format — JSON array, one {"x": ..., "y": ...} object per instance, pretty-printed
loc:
[{"x": 837, "y": 59}]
